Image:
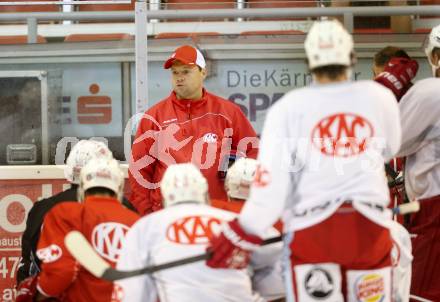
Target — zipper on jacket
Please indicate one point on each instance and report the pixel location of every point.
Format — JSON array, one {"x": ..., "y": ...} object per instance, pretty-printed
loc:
[{"x": 189, "y": 110}]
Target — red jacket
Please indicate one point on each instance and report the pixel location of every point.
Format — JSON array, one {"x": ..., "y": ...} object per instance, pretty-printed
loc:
[
  {"x": 228, "y": 205},
  {"x": 104, "y": 222},
  {"x": 179, "y": 131}
]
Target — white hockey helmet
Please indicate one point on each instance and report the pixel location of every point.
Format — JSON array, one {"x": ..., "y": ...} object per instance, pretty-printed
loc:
[
  {"x": 328, "y": 43},
  {"x": 101, "y": 172},
  {"x": 240, "y": 177},
  {"x": 183, "y": 182},
  {"x": 79, "y": 156},
  {"x": 431, "y": 42}
]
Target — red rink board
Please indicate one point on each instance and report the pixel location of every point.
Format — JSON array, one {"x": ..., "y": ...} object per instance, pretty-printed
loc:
[{"x": 16, "y": 199}]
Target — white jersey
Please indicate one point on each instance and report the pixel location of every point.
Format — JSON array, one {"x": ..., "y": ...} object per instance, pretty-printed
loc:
[
  {"x": 320, "y": 146},
  {"x": 401, "y": 255},
  {"x": 420, "y": 112},
  {"x": 177, "y": 232},
  {"x": 268, "y": 282}
]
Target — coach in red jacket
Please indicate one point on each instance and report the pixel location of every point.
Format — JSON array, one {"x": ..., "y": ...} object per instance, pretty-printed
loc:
[{"x": 190, "y": 125}]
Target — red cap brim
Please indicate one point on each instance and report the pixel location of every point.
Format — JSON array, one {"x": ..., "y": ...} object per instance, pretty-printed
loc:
[{"x": 170, "y": 62}]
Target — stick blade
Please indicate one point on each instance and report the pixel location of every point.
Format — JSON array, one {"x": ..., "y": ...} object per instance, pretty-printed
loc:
[{"x": 84, "y": 253}]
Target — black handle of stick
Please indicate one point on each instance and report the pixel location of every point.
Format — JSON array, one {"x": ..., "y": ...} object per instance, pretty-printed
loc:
[
  {"x": 396, "y": 182},
  {"x": 111, "y": 274},
  {"x": 391, "y": 172}
]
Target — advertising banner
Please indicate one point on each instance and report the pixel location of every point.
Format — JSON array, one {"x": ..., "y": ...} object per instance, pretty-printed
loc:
[
  {"x": 16, "y": 199},
  {"x": 17, "y": 196}
]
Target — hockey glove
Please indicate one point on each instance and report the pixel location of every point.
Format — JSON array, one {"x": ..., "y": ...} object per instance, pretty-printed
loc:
[
  {"x": 233, "y": 247},
  {"x": 397, "y": 75},
  {"x": 27, "y": 289}
]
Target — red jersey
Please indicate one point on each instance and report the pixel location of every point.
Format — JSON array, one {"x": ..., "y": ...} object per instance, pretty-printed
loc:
[
  {"x": 180, "y": 131},
  {"x": 228, "y": 205},
  {"x": 104, "y": 222}
]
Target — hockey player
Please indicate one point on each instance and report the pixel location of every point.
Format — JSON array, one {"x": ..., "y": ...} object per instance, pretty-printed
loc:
[
  {"x": 80, "y": 154},
  {"x": 266, "y": 281},
  {"x": 182, "y": 229},
  {"x": 394, "y": 69},
  {"x": 432, "y": 51},
  {"x": 102, "y": 220},
  {"x": 238, "y": 180},
  {"x": 322, "y": 155},
  {"x": 420, "y": 111},
  {"x": 191, "y": 124}
]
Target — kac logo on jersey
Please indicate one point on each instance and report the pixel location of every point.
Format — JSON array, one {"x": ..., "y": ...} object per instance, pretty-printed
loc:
[
  {"x": 370, "y": 288},
  {"x": 108, "y": 238},
  {"x": 49, "y": 254},
  {"x": 210, "y": 138},
  {"x": 193, "y": 229},
  {"x": 319, "y": 283},
  {"x": 342, "y": 134}
]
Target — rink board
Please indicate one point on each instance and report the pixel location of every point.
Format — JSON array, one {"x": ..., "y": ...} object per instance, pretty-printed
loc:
[{"x": 20, "y": 187}]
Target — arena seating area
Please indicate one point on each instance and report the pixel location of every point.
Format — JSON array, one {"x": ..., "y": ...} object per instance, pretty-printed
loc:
[{"x": 14, "y": 32}]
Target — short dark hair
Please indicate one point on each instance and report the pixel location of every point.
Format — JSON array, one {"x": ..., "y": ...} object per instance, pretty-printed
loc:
[
  {"x": 99, "y": 191},
  {"x": 436, "y": 50},
  {"x": 387, "y": 53},
  {"x": 330, "y": 71}
]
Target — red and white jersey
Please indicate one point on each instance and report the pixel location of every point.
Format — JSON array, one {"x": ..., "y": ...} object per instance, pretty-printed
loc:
[
  {"x": 104, "y": 222},
  {"x": 323, "y": 145},
  {"x": 177, "y": 232},
  {"x": 420, "y": 111}
]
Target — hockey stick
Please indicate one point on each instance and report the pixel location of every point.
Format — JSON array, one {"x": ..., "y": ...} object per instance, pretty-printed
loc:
[
  {"x": 391, "y": 172},
  {"x": 406, "y": 208},
  {"x": 84, "y": 253},
  {"x": 396, "y": 182},
  {"x": 417, "y": 298}
]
